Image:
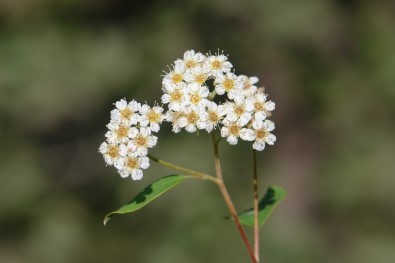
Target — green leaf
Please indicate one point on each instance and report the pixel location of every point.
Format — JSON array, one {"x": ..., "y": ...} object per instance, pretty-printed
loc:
[
  {"x": 266, "y": 206},
  {"x": 149, "y": 193}
]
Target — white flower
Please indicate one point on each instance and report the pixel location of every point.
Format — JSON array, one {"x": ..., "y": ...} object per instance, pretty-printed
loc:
[
  {"x": 228, "y": 83},
  {"x": 262, "y": 134},
  {"x": 247, "y": 134},
  {"x": 133, "y": 165},
  {"x": 151, "y": 117},
  {"x": 126, "y": 112},
  {"x": 231, "y": 130},
  {"x": 215, "y": 114},
  {"x": 193, "y": 119},
  {"x": 141, "y": 142},
  {"x": 191, "y": 60},
  {"x": 249, "y": 88},
  {"x": 175, "y": 77},
  {"x": 120, "y": 132},
  {"x": 216, "y": 65},
  {"x": 197, "y": 75},
  {"x": 261, "y": 106},
  {"x": 176, "y": 96},
  {"x": 173, "y": 117},
  {"x": 112, "y": 153},
  {"x": 198, "y": 95},
  {"x": 239, "y": 111}
]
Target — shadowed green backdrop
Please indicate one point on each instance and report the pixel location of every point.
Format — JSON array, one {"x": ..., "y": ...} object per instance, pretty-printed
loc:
[{"x": 328, "y": 65}]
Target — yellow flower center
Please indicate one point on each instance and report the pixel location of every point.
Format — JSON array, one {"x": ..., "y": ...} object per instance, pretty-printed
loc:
[
  {"x": 177, "y": 78},
  {"x": 234, "y": 130},
  {"x": 192, "y": 117},
  {"x": 201, "y": 78},
  {"x": 239, "y": 110},
  {"x": 216, "y": 64},
  {"x": 247, "y": 85},
  {"x": 113, "y": 151},
  {"x": 213, "y": 117},
  {"x": 190, "y": 64},
  {"x": 195, "y": 98},
  {"x": 126, "y": 113},
  {"x": 228, "y": 84},
  {"x": 153, "y": 117},
  {"x": 260, "y": 134},
  {"x": 176, "y": 95},
  {"x": 259, "y": 106},
  {"x": 122, "y": 131},
  {"x": 141, "y": 140},
  {"x": 132, "y": 163}
]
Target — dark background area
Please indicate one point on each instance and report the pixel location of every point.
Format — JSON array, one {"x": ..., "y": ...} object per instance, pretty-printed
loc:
[{"x": 328, "y": 65}]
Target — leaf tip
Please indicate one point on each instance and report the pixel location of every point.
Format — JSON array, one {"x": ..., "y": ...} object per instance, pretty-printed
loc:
[{"x": 106, "y": 219}]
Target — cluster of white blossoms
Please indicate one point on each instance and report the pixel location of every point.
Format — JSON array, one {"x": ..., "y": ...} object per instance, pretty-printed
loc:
[
  {"x": 201, "y": 92},
  {"x": 191, "y": 105},
  {"x": 130, "y": 136}
]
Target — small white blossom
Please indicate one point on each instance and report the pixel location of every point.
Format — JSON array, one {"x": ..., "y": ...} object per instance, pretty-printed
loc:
[
  {"x": 191, "y": 60},
  {"x": 133, "y": 165},
  {"x": 126, "y": 112},
  {"x": 112, "y": 153},
  {"x": 176, "y": 96},
  {"x": 261, "y": 106},
  {"x": 262, "y": 134},
  {"x": 151, "y": 117},
  {"x": 141, "y": 142},
  {"x": 215, "y": 114},
  {"x": 231, "y": 130},
  {"x": 173, "y": 117},
  {"x": 198, "y": 96},
  {"x": 175, "y": 77},
  {"x": 249, "y": 89},
  {"x": 239, "y": 111},
  {"x": 217, "y": 65},
  {"x": 193, "y": 119},
  {"x": 120, "y": 132},
  {"x": 228, "y": 83},
  {"x": 197, "y": 75}
]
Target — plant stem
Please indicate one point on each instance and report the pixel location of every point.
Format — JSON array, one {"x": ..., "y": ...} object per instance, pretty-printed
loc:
[
  {"x": 228, "y": 200},
  {"x": 184, "y": 170},
  {"x": 256, "y": 211}
]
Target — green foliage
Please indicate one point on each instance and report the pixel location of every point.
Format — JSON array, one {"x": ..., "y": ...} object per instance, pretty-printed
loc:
[
  {"x": 150, "y": 193},
  {"x": 266, "y": 206}
]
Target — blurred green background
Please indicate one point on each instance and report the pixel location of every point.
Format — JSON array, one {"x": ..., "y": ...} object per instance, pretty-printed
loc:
[{"x": 328, "y": 65}]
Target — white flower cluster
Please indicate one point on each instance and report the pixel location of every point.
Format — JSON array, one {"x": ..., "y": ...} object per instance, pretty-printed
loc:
[
  {"x": 130, "y": 135},
  {"x": 191, "y": 103},
  {"x": 201, "y": 93}
]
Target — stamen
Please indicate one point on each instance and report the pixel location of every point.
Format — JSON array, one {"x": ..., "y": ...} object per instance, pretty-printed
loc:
[
  {"x": 141, "y": 140},
  {"x": 126, "y": 113},
  {"x": 239, "y": 110},
  {"x": 228, "y": 84},
  {"x": 195, "y": 98},
  {"x": 122, "y": 131},
  {"x": 234, "y": 130},
  {"x": 192, "y": 117},
  {"x": 260, "y": 134},
  {"x": 216, "y": 64},
  {"x": 132, "y": 163},
  {"x": 177, "y": 78},
  {"x": 113, "y": 151}
]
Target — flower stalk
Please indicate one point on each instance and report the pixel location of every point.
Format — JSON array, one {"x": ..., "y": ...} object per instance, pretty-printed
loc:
[
  {"x": 228, "y": 200},
  {"x": 256, "y": 206}
]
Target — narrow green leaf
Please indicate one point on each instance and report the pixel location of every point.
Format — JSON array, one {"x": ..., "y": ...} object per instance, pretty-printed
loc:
[
  {"x": 149, "y": 193},
  {"x": 266, "y": 206}
]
